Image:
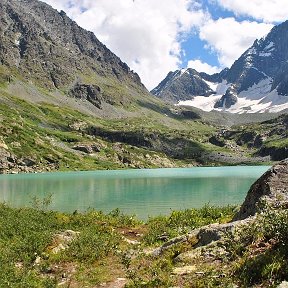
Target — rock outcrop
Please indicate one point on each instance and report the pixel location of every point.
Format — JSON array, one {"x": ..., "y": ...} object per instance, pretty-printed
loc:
[
  {"x": 10, "y": 164},
  {"x": 228, "y": 99},
  {"x": 271, "y": 188},
  {"x": 91, "y": 93},
  {"x": 87, "y": 148}
]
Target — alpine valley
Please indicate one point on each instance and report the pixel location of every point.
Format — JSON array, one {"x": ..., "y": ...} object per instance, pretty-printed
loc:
[{"x": 69, "y": 103}]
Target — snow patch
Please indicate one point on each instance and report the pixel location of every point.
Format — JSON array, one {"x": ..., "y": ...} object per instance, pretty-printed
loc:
[
  {"x": 257, "y": 91},
  {"x": 251, "y": 51},
  {"x": 270, "y": 101},
  {"x": 17, "y": 38},
  {"x": 222, "y": 87},
  {"x": 207, "y": 103},
  {"x": 201, "y": 102},
  {"x": 212, "y": 85},
  {"x": 248, "y": 61},
  {"x": 269, "y": 46},
  {"x": 257, "y": 99},
  {"x": 265, "y": 54},
  {"x": 218, "y": 88},
  {"x": 182, "y": 71}
]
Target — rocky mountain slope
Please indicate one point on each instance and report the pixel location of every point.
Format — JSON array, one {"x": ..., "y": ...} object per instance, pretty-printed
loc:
[
  {"x": 268, "y": 138},
  {"x": 256, "y": 82},
  {"x": 49, "y": 50},
  {"x": 59, "y": 83}
]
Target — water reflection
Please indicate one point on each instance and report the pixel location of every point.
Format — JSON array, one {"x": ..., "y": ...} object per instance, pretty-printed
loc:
[{"x": 140, "y": 192}]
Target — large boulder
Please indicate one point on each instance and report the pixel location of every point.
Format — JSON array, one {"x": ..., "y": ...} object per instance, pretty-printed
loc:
[{"x": 271, "y": 188}]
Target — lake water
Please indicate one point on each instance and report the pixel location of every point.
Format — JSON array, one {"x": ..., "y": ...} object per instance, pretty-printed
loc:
[{"x": 146, "y": 192}]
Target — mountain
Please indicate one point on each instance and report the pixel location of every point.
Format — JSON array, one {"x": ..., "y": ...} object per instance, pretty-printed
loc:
[
  {"x": 256, "y": 82},
  {"x": 45, "y": 48},
  {"x": 182, "y": 85}
]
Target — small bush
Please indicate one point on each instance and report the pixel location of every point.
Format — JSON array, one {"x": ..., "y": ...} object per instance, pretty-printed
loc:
[{"x": 261, "y": 249}]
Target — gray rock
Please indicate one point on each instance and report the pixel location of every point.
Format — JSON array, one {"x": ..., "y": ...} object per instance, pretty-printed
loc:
[
  {"x": 91, "y": 93},
  {"x": 228, "y": 99},
  {"x": 87, "y": 148},
  {"x": 271, "y": 188},
  {"x": 202, "y": 236},
  {"x": 63, "y": 240},
  {"x": 283, "y": 284},
  {"x": 27, "y": 162}
]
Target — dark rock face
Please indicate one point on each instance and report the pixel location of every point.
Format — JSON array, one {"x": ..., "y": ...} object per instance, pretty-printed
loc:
[
  {"x": 276, "y": 153},
  {"x": 182, "y": 85},
  {"x": 217, "y": 77},
  {"x": 281, "y": 80},
  {"x": 178, "y": 148},
  {"x": 248, "y": 138},
  {"x": 188, "y": 114},
  {"x": 91, "y": 93},
  {"x": 217, "y": 141},
  {"x": 227, "y": 100},
  {"x": 272, "y": 187}
]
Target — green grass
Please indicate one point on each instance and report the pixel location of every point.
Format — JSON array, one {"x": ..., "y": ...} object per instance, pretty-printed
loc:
[
  {"x": 27, "y": 234},
  {"x": 43, "y": 130},
  {"x": 260, "y": 250},
  {"x": 256, "y": 255},
  {"x": 277, "y": 143}
]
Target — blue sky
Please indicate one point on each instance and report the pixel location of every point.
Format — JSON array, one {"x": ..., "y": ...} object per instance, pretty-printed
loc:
[
  {"x": 157, "y": 36},
  {"x": 194, "y": 47}
]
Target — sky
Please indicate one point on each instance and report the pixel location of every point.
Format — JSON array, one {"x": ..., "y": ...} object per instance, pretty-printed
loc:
[{"x": 157, "y": 36}]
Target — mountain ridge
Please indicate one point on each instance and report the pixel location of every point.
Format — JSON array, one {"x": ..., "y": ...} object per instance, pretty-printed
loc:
[
  {"x": 47, "y": 49},
  {"x": 256, "y": 78}
]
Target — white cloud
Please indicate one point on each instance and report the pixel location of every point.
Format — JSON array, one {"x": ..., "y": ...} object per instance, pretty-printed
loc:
[
  {"x": 147, "y": 34},
  {"x": 143, "y": 33},
  {"x": 266, "y": 10},
  {"x": 202, "y": 66},
  {"x": 59, "y": 5},
  {"x": 229, "y": 38}
]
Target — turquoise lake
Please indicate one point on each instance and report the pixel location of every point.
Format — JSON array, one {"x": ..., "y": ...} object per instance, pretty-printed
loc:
[{"x": 145, "y": 193}]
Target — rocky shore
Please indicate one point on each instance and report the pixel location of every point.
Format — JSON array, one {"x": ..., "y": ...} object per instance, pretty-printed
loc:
[{"x": 10, "y": 164}]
